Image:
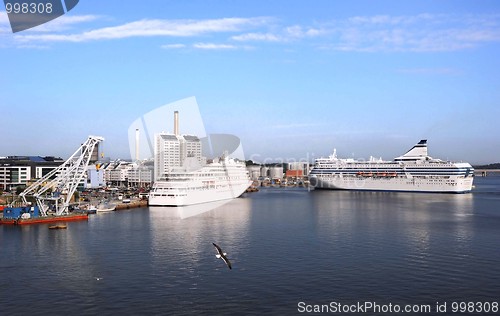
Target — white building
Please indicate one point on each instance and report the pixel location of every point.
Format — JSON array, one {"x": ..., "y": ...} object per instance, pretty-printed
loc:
[
  {"x": 264, "y": 172},
  {"x": 276, "y": 172},
  {"x": 141, "y": 174},
  {"x": 254, "y": 171},
  {"x": 95, "y": 177},
  {"x": 173, "y": 150},
  {"x": 124, "y": 173},
  {"x": 116, "y": 173}
]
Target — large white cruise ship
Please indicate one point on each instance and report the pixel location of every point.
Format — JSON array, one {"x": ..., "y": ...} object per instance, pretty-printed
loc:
[
  {"x": 223, "y": 179},
  {"x": 413, "y": 171}
]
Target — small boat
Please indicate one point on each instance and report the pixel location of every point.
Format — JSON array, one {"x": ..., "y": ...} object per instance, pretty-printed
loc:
[
  {"x": 91, "y": 210},
  {"x": 103, "y": 208},
  {"x": 58, "y": 227}
]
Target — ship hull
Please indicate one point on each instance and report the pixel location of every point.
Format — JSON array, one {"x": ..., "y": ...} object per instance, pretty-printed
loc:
[
  {"x": 192, "y": 197},
  {"x": 415, "y": 171},
  {"x": 401, "y": 184},
  {"x": 44, "y": 219}
]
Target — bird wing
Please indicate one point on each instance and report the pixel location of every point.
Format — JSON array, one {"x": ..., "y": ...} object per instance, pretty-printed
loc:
[
  {"x": 218, "y": 248},
  {"x": 222, "y": 255},
  {"x": 226, "y": 260}
]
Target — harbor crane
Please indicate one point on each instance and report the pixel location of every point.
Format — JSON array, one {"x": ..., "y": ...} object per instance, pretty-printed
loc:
[{"x": 53, "y": 192}]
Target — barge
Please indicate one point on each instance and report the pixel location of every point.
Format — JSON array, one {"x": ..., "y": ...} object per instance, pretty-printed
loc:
[{"x": 26, "y": 215}]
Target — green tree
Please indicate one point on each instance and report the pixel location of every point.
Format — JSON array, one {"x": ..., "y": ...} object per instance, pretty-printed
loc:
[{"x": 19, "y": 190}]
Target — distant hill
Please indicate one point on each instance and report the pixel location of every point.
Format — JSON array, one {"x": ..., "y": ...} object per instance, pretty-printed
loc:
[{"x": 490, "y": 166}]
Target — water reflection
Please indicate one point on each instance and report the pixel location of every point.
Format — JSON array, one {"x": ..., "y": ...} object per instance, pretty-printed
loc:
[
  {"x": 184, "y": 212},
  {"x": 188, "y": 232}
]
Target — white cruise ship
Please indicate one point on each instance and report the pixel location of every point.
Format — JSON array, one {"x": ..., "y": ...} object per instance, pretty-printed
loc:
[
  {"x": 223, "y": 179},
  {"x": 413, "y": 171}
]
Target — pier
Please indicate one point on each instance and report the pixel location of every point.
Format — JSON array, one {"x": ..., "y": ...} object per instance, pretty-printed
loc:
[{"x": 486, "y": 172}]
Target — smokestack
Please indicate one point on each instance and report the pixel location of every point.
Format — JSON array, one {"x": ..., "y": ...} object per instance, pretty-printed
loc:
[
  {"x": 136, "y": 144},
  {"x": 176, "y": 123}
]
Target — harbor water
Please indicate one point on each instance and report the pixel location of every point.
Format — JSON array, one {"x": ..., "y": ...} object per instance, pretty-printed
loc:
[{"x": 290, "y": 250}]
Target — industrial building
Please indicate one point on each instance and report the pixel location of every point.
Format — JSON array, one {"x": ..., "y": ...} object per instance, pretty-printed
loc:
[
  {"x": 172, "y": 150},
  {"x": 299, "y": 165}
]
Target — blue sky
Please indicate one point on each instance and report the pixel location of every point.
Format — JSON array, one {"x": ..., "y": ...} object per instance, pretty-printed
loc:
[{"x": 292, "y": 79}]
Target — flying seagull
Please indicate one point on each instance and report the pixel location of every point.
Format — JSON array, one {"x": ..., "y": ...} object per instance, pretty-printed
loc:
[{"x": 222, "y": 255}]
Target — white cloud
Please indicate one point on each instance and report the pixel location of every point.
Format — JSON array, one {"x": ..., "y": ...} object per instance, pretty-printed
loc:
[
  {"x": 212, "y": 46},
  {"x": 4, "y": 19},
  {"x": 419, "y": 33},
  {"x": 379, "y": 33},
  {"x": 173, "y": 46},
  {"x": 265, "y": 37},
  {"x": 4, "y": 23},
  {"x": 384, "y": 33},
  {"x": 298, "y": 31},
  {"x": 60, "y": 24},
  {"x": 64, "y": 22},
  {"x": 149, "y": 28},
  {"x": 206, "y": 46},
  {"x": 287, "y": 34}
]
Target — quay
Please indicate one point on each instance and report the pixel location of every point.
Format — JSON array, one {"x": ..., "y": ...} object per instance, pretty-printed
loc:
[
  {"x": 485, "y": 172},
  {"x": 131, "y": 204}
]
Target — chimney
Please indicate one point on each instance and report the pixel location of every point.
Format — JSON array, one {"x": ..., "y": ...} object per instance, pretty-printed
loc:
[
  {"x": 136, "y": 144},
  {"x": 176, "y": 123}
]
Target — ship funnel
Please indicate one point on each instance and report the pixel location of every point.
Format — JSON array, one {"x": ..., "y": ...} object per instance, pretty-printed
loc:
[
  {"x": 176, "y": 123},
  {"x": 418, "y": 152}
]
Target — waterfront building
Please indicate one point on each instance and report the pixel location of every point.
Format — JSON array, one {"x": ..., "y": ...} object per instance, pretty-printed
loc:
[
  {"x": 21, "y": 170},
  {"x": 294, "y": 174},
  {"x": 141, "y": 174},
  {"x": 116, "y": 173},
  {"x": 125, "y": 173},
  {"x": 95, "y": 177},
  {"x": 299, "y": 165}
]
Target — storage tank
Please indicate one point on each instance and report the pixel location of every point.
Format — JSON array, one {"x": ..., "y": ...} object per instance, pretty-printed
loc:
[{"x": 276, "y": 172}]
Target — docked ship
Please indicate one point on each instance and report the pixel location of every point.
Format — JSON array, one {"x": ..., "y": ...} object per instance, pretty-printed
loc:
[
  {"x": 224, "y": 178},
  {"x": 414, "y": 171}
]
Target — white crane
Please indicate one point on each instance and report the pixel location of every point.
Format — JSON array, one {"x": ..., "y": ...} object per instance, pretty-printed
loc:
[{"x": 58, "y": 186}]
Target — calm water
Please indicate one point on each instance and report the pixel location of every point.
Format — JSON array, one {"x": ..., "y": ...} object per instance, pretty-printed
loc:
[{"x": 286, "y": 246}]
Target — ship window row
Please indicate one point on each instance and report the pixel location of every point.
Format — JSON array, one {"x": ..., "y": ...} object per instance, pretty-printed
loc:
[
  {"x": 378, "y": 165},
  {"x": 350, "y": 172},
  {"x": 368, "y": 168},
  {"x": 451, "y": 171}
]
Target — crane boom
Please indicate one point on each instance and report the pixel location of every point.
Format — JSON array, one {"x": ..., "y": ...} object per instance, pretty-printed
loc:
[{"x": 58, "y": 186}]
